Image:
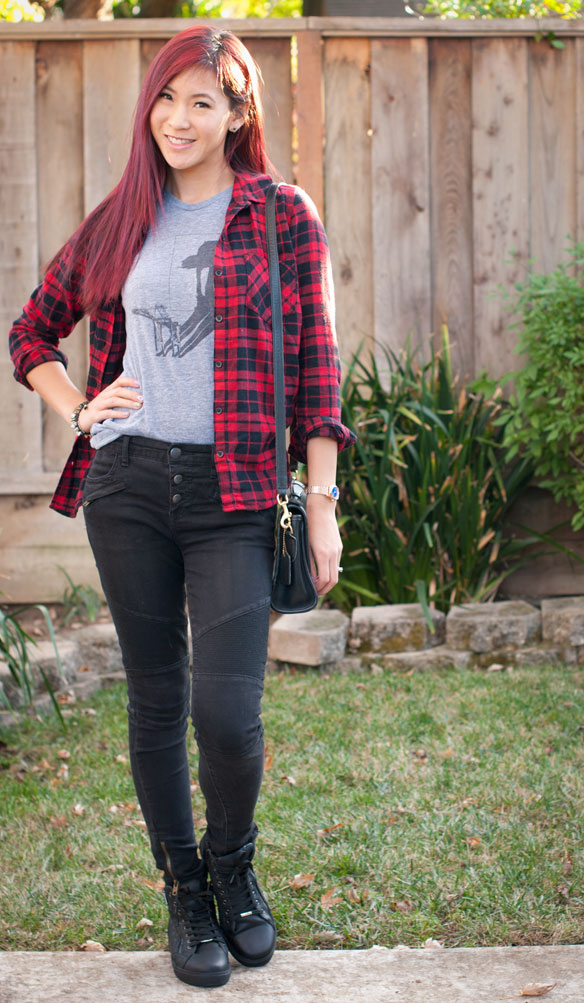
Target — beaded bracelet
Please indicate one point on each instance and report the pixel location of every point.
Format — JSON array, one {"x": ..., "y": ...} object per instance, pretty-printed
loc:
[{"x": 74, "y": 419}]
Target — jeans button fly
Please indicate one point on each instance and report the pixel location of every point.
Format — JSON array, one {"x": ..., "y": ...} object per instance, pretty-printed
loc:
[
  {"x": 177, "y": 479},
  {"x": 175, "y": 453},
  {"x": 176, "y": 499}
]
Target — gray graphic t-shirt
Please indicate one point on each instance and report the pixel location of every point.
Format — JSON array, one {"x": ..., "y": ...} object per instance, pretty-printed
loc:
[{"x": 168, "y": 300}]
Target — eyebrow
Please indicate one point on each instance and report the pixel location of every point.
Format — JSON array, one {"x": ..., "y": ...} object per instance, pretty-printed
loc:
[{"x": 202, "y": 94}]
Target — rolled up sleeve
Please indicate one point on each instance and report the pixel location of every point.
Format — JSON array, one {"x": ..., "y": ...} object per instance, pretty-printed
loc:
[{"x": 51, "y": 313}]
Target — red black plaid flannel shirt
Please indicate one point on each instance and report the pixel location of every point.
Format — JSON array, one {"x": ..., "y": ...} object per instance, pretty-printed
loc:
[{"x": 245, "y": 454}]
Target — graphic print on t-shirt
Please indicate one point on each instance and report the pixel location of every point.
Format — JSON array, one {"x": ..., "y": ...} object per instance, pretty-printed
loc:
[{"x": 176, "y": 338}]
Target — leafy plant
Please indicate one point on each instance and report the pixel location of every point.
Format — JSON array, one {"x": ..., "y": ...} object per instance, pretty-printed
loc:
[
  {"x": 426, "y": 490},
  {"x": 470, "y": 9},
  {"x": 14, "y": 651},
  {"x": 79, "y": 601},
  {"x": 545, "y": 423}
]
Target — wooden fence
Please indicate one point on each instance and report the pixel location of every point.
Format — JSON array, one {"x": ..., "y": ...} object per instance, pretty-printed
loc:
[{"x": 443, "y": 156}]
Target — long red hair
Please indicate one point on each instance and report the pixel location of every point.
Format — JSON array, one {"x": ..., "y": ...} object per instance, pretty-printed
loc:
[{"x": 110, "y": 237}]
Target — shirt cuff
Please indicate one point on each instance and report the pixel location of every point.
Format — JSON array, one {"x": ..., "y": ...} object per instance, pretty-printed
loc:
[{"x": 320, "y": 425}]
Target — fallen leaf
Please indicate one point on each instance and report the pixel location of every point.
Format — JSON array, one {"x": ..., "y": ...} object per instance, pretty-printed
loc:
[
  {"x": 329, "y": 828},
  {"x": 353, "y": 895},
  {"x": 432, "y": 943},
  {"x": 420, "y": 753},
  {"x": 532, "y": 989},
  {"x": 402, "y": 905},
  {"x": 496, "y": 667},
  {"x": 66, "y": 699},
  {"x": 83, "y": 668},
  {"x": 447, "y": 753},
  {"x": 328, "y": 898},
  {"x": 568, "y": 864},
  {"x": 64, "y": 754},
  {"x": 46, "y": 765},
  {"x": 92, "y": 945},
  {"x": 59, "y": 822},
  {"x": 564, "y": 891},
  {"x": 158, "y": 886},
  {"x": 144, "y": 922},
  {"x": 144, "y": 942},
  {"x": 473, "y": 841},
  {"x": 301, "y": 880},
  {"x": 268, "y": 759},
  {"x": 89, "y": 711},
  {"x": 288, "y": 780},
  {"x": 63, "y": 772},
  {"x": 121, "y": 759},
  {"x": 78, "y": 809},
  {"x": 328, "y": 937},
  {"x": 194, "y": 788},
  {"x": 360, "y": 686}
]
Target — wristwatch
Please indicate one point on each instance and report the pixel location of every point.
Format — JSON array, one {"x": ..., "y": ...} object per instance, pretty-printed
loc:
[{"x": 331, "y": 492}]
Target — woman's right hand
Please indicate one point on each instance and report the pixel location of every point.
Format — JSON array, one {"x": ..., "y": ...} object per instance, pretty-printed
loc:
[{"x": 122, "y": 393}]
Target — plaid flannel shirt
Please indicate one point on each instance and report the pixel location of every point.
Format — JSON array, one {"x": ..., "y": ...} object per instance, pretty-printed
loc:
[{"x": 244, "y": 448}]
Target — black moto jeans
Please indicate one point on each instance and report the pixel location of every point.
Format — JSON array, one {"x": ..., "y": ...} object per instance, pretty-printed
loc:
[{"x": 162, "y": 543}]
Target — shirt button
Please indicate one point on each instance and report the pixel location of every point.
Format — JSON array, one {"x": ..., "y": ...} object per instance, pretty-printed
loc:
[
  {"x": 175, "y": 453},
  {"x": 176, "y": 499},
  {"x": 219, "y": 318},
  {"x": 218, "y": 410},
  {"x": 218, "y": 272},
  {"x": 177, "y": 479},
  {"x": 218, "y": 364},
  {"x": 220, "y": 453}
]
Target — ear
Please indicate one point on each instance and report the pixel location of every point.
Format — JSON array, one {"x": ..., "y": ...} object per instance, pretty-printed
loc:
[{"x": 237, "y": 120}]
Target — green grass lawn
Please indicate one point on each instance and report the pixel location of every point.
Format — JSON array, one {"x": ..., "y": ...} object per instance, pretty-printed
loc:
[{"x": 394, "y": 808}]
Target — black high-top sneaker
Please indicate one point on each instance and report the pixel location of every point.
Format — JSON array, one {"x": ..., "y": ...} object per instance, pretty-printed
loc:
[
  {"x": 197, "y": 946},
  {"x": 244, "y": 915}
]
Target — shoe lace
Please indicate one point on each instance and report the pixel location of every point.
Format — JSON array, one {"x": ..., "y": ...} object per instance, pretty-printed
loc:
[
  {"x": 242, "y": 889},
  {"x": 197, "y": 910}
]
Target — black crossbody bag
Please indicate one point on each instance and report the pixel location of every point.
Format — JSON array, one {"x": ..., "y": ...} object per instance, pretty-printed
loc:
[{"x": 293, "y": 589}]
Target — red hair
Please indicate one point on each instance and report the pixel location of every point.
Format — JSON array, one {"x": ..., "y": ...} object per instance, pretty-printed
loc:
[{"x": 110, "y": 237}]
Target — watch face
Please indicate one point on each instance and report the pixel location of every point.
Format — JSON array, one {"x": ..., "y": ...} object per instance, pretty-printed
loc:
[{"x": 335, "y": 492}]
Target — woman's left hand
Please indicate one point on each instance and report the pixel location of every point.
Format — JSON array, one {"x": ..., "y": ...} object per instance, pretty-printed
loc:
[{"x": 325, "y": 542}]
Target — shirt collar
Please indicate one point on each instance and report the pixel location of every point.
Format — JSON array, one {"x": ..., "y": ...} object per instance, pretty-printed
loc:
[{"x": 250, "y": 188}]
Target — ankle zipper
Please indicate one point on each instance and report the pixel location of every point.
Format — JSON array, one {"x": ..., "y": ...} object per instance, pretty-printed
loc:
[{"x": 169, "y": 869}]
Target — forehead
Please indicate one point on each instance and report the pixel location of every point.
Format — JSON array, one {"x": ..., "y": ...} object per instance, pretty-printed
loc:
[{"x": 197, "y": 80}]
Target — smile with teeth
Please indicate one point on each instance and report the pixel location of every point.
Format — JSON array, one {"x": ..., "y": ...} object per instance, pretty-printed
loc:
[{"x": 175, "y": 141}]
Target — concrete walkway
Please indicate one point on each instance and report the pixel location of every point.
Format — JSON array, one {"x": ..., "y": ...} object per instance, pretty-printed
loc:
[{"x": 379, "y": 975}]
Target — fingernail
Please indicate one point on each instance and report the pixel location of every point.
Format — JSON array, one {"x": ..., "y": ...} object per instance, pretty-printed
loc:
[{"x": 140, "y": 398}]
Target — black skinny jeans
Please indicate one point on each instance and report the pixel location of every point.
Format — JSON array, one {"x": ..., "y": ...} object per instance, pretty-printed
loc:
[{"x": 159, "y": 534}]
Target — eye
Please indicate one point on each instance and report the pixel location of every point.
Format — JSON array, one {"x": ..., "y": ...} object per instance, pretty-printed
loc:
[
  {"x": 165, "y": 95},
  {"x": 202, "y": 104}
]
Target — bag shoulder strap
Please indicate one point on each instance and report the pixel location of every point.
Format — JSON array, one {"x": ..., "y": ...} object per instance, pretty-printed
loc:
[{"x": 277, "y": 341}]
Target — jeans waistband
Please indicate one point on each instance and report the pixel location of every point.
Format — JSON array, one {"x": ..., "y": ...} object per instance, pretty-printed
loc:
[{"x": 156, "y": 449}]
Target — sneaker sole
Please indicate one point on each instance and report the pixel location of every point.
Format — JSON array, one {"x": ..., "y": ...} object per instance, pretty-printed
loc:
[{"x": 200, "y": 979}]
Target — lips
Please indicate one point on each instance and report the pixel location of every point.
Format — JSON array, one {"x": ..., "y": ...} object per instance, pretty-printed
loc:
[{"x": 177, "y": 143}]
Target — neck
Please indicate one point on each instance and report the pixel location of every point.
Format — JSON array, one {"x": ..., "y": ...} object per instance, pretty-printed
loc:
[{"x": 197, "y": 186}]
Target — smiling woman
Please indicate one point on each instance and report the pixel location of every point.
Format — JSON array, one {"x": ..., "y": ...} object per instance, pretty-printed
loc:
[
  {"x": 178, "y": 486},
  {"x": 190, "y": 121}
]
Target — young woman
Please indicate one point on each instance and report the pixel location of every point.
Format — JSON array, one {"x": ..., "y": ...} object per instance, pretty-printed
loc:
[{"x": 174, "y": 460}]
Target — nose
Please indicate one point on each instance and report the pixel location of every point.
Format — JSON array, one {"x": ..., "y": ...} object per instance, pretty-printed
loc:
[{"x": 178, "y": 117}]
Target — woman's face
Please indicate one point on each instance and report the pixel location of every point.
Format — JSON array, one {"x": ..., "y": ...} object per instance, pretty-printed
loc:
[{"x": 189, "y": 122}]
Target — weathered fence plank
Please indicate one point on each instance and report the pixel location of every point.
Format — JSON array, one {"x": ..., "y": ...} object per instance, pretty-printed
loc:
[
  {"x": 500, "y": 192},
  {"x": 273, "y": 56},
  {"x": 109, "y": 98},
  {"x": 60, "y": 190},
  {"x": 309, "y": 117},
  {"x": 451, "y": 174},
  {"x": 401, "y": 190},
  {"x": 348, "y": 188},
  {"x": 552, "y": 151},
  {"x": 20, "y": 429}
]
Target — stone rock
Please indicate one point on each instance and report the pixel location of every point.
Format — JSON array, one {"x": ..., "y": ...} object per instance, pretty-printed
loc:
[
  {"x": 43, "y": 657},
  {"x": 400, "y": 627},
  {"x": 482, "y": 627},
  {"x": 315, "y": 638},
  {"x": 541, "y": 654},
  {"x": 563, "y": 620},
  {"x": 440, "y": 657},
  {"x": 99, "y": 648}
]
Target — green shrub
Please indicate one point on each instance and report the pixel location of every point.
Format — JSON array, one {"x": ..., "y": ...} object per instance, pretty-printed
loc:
[
  {"x": 545, "y": 423},
  {"x": 425, "y": 491}
]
